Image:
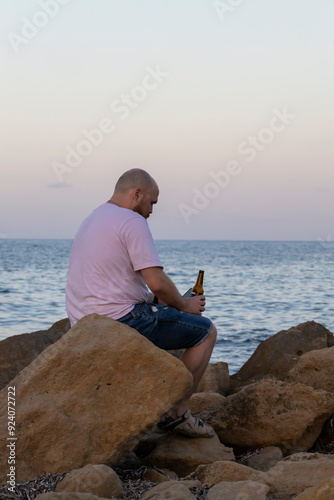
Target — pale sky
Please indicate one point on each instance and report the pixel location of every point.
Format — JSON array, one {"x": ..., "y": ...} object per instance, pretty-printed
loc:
[{"x": 228, "y": 104}]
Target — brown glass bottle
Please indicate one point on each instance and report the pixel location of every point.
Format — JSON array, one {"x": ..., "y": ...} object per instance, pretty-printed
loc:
[{"x": 198, "y": 288}]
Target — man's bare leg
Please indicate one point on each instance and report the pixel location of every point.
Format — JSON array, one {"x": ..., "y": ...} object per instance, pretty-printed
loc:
[{"x": 196, "y": 360}]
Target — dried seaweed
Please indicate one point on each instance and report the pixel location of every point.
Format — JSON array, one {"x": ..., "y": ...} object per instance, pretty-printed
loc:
[
  {"x": 132, "y": 480},
  {"x": 250, "y": 453},
  {"x": 28, "y": 490},
  {"x": 135, "y": 486},
  {"x": 200, "y": 493},
  {"x": 321, "y": 447},
  {"x": 325, "y": 442}
]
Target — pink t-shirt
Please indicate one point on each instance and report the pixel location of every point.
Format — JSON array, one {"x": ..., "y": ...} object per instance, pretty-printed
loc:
[{"x": 111, "y": 247}]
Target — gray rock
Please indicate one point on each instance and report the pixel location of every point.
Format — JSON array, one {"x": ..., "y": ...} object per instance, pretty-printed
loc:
[
  {"x": 183, "y": 455},
  {"x": 241, "y": 490},
  {"x": 265, "y": 459},
  {"x": 215, "y": 473},
  {"x": 215, "y": 379},
  {"x": 293, "y": 475},
  {"x": 98, "y": 480},
  {"x": 174, "y": 490}
]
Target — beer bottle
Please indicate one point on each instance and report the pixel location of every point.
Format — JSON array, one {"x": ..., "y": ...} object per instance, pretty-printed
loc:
[{"x": 198, "y": 288}]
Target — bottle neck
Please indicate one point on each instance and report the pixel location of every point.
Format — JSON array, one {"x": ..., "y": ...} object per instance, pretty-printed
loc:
[{"x": 200, "y": 278}]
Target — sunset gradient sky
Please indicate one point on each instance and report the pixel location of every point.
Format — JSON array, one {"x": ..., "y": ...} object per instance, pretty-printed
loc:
[{"x": 229, "y": 105}]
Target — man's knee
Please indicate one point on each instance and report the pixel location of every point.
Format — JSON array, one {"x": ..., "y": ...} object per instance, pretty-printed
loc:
[
  {"x": 213, "y": 334},
  {"x": 212, "y": 337}
]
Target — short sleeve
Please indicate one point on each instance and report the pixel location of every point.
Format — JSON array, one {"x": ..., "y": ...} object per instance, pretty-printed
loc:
[{"x": 137, "y": 239}]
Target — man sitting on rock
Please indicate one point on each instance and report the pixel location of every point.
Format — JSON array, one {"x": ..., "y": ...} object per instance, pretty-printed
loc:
[{"x": 113, "y": 258}]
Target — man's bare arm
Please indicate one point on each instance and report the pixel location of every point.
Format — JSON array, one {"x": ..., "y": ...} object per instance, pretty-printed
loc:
[{"x": 163, "y": 287}]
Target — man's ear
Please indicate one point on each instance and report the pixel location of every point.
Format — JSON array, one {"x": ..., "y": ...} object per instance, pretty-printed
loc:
[{"x": 137, "y": 194}]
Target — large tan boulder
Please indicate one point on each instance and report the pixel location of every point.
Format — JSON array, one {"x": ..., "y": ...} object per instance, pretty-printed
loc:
[
  {"x": 98, "y": 480},
  {"x": 18, "y": 351},
  {"x": 275, "y": 356},
  {"x": 241, "y": 490},
  {"x": 293, "y": 475},
  {"x": 216, "y": 378},
  {"x": 87, "y": 398},
  {"x": 219, "y": 471},
  {"x": 323, "y": 491},
  {"x": 183, "y": 455},
  {"x": 271, "y": 413},
  {"x": 315, "y": 368}
]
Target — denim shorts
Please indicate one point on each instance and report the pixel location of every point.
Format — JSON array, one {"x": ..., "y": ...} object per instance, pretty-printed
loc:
[{"x": 167, "y": 327}]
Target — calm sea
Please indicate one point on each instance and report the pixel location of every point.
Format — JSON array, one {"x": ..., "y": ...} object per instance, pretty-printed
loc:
[{"x": 253, "y": 288}]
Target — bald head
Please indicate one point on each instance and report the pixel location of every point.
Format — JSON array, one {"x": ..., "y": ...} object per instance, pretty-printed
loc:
[
  {"x": 133, "y": 179},
  {"x": 137, "y": 191}
]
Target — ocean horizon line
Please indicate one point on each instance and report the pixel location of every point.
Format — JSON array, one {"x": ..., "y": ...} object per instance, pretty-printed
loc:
[{"x": 187, "y": 239}]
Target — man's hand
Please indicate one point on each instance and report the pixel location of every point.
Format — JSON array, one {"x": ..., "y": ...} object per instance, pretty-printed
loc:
[
  {"x": 163, "y": 287},
  {"x": 194, "y": 305}
]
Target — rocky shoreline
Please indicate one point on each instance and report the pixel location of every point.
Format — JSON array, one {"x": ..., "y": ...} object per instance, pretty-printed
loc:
[{"x": 88, "y": 400}]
